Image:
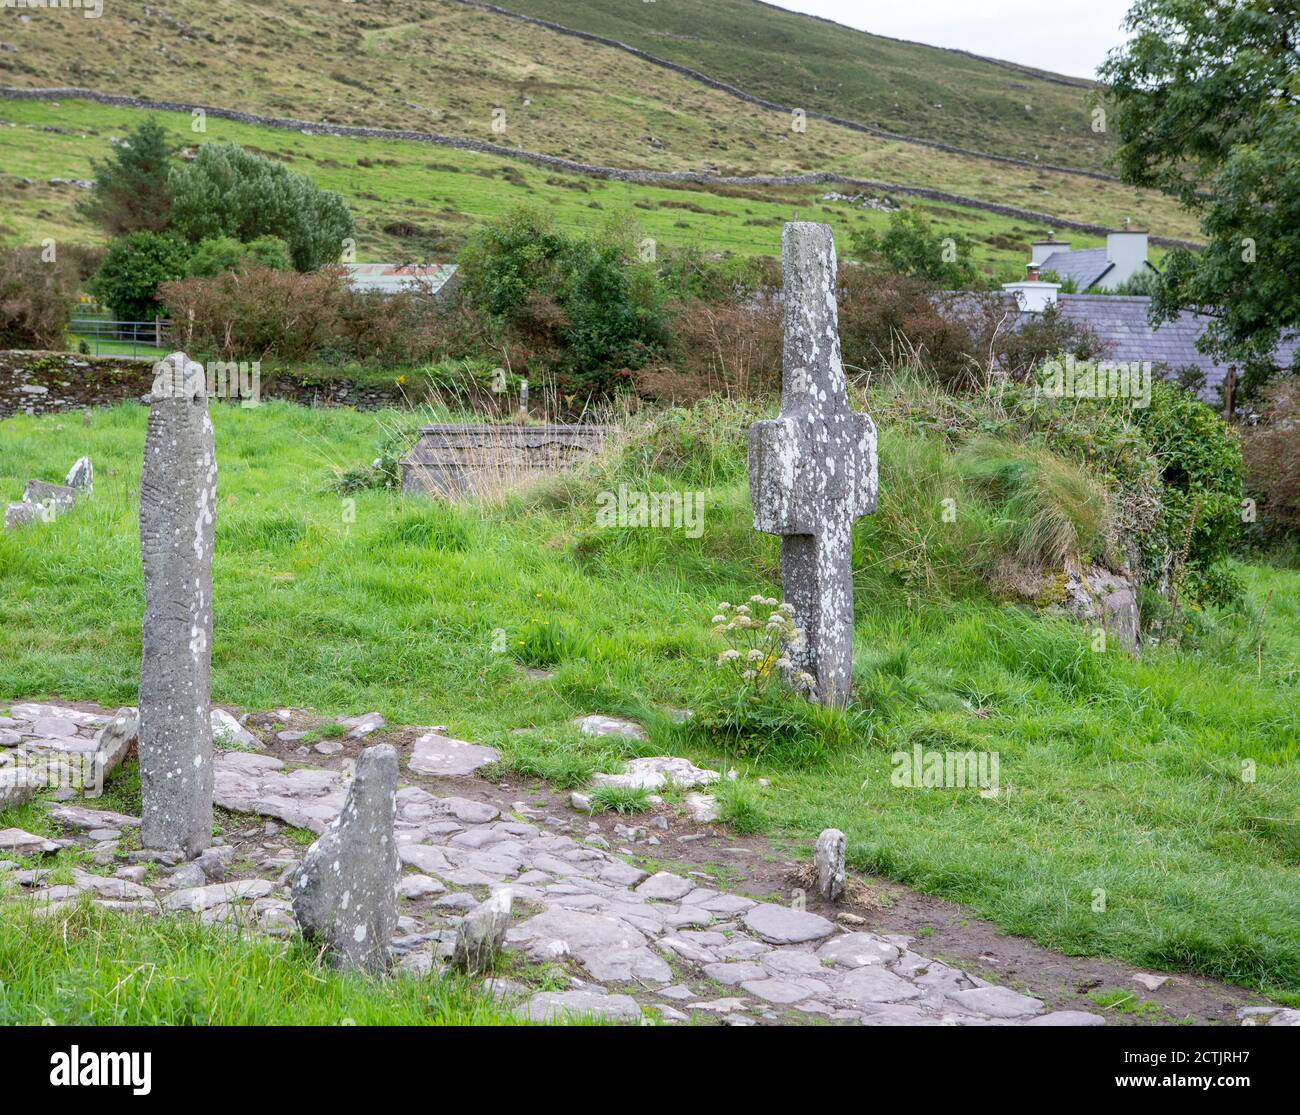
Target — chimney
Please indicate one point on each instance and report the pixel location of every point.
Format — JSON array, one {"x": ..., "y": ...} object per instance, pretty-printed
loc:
[
  {"x": 1033, "y": 295},
  {"x": 1126, "y": 248},
  {"x": 1040, "y": 249},
  {"x": 1031, "y": 272}
]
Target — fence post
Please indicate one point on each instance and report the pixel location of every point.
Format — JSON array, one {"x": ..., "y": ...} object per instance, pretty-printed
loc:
[{"x": 157, "y": 332}]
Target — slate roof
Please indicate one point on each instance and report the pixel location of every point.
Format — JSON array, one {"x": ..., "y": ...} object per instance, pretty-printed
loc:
[
  {"x": 1120, "y": 324},
  {"x": 1120, "y": 321},
  {"x": 1085, "y": 266}
]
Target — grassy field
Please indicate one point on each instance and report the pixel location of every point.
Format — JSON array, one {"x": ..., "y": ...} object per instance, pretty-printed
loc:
[
  {"x": 412, "y": 200},
  {"x": 902, "y": 87},
  {"x": 1120, "y": 778},
  {"x": 439, "y": 65}
]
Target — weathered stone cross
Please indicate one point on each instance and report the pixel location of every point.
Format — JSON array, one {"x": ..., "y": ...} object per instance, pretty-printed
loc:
[{"x": 812, "y": 471}]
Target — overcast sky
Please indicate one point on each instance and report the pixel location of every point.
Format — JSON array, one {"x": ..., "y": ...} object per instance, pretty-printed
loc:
[{"x": 1066, "y": 36}]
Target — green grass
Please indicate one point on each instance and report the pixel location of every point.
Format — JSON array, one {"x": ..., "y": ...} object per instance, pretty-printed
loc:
[
  {"x": 1120, "y": 779},
  {"x": 92, "y": 967}
]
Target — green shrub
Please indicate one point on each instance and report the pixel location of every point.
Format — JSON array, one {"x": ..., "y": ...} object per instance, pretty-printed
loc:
[
  {"x": 584, "y": 311},
  {"x": 227, "y": 191},
  {"x": 1201, "y": 474},
  {"x": 224, "y": 253},
  {"x": 134, "y": 267}
]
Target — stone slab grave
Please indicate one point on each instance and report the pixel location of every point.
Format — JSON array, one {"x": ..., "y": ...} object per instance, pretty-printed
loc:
[
  {"x": 813, "y": 469},
  {"x": 475, "y": 459}
]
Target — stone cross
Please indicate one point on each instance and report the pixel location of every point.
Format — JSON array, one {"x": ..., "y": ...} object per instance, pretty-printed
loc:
[
  {"x": 812, "y": 470},
  {"x": 178, "y": 503}
]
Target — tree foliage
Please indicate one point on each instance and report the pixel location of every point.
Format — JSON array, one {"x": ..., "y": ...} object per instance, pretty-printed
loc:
[
  {"x": 127, "y": 281},
  {"x": 910, "y": 246},
  {"x": 229, "y": 192},
  {"x": 131, "y": 191},
  {"x": 224, "y": 253},
  {"x": 585, "y": 309},
  {"x": 1206, "y": 100}
]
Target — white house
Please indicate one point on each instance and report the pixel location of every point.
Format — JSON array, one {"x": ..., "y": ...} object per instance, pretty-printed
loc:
[{"x": 1095, "y": 269}]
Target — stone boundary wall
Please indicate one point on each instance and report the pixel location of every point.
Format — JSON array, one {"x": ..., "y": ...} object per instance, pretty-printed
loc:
[
  {"x": 53, "y": 382},
  {"x": 554, "y": 162},
  {"x": 854, "y": 125}
]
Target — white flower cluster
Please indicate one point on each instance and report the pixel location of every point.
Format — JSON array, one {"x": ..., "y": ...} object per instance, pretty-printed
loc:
[{"x": 768, "y": 639}]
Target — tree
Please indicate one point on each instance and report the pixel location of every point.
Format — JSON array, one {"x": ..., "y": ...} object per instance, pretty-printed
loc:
[
  {"x": 909, "y": 246},
  {"x": 131, "y": 193},
  {"x": 128, "y": 279},
  {"x": 1206, "y": 99},
  {"x": 585, "y": 309},
  {"x": 227, "y": 191},
  {"x": 224, "y": 253}
]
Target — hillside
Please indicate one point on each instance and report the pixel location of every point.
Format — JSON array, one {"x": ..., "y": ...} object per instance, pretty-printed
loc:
[
  {"x": 444, "y": 67},
  {"x": 413, "y": 200},
  {"x": 908, "y": 88}
]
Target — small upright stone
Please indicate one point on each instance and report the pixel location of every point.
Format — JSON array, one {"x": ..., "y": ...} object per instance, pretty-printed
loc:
[
  {"x": 81, "y": 476},
  {"x": 345, "y": 892},
  {"x": 482, "y": 932},
  {"x": 828, "y": 857},
  {"x": 178, "y": 497}
]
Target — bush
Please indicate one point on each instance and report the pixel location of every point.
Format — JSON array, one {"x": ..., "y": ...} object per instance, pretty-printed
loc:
[
  {"x": 134, "y": 267},
  {"x": 1201, "y": 473},
  {"x": 729, "y": 349},
  {"x": 229, "y": 192},
  {"x": 910, "y": 246},
  {"x": 582, "y": 311},
  {"x": 36, "y": 299},
  {"x": 1271, "y": 452},
  {"x": 259, "y": 313},
  {"x": 224, "y": 253},
  {"x": 263, "y": 312}
]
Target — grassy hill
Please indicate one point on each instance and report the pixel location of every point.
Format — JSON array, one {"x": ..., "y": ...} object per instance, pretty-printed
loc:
[
  {"x": 442, "y": 66},
  {"x": 902, "y": 87},
  {"x": 413, "y": 201}
]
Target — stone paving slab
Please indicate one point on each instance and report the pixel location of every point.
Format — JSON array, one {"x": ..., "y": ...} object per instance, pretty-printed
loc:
[{"x": 629, "y": 939}]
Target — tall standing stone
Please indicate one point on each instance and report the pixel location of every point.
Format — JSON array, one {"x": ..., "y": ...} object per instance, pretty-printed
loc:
[
  {"x": 178, "y": 501},
  {"x": 812, "y": 470},
  {"x": 345, "y": 892}
]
